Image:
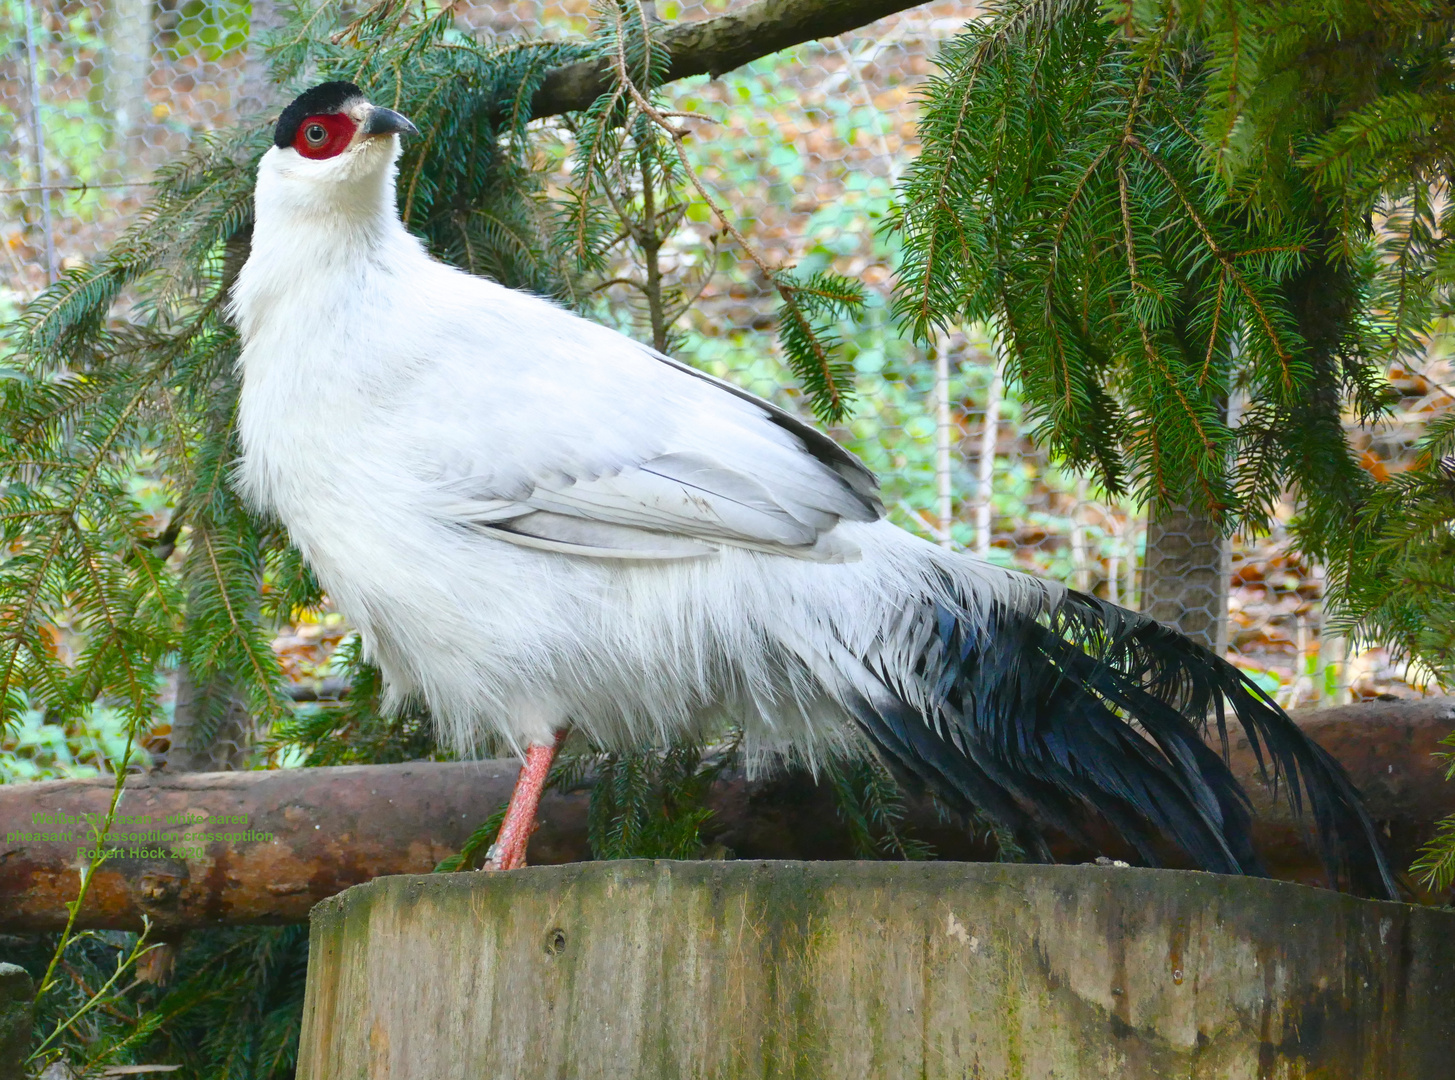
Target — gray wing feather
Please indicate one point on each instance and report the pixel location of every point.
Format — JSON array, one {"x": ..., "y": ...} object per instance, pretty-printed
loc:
[{"x": 602, "y": 447}]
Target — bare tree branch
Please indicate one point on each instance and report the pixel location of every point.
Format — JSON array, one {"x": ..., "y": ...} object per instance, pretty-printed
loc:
[{"x": 714, "y": 46}]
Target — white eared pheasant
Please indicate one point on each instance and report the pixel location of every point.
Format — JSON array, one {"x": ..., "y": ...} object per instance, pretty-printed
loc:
[{"x": 535, "y": 522}]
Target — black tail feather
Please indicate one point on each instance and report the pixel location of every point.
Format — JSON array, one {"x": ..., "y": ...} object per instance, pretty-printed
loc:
[{"x": 1040, "y": 715}]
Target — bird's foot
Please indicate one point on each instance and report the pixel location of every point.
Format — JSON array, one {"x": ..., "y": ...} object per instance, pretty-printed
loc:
[
  {"x": 498, "y": 858},
  {"x": 508, "y": 851}
]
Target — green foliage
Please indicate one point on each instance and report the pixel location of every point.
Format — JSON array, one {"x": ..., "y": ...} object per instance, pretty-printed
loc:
[
  {"x": 87, "y": 401},
  {"x": 649, "y": 804},
  {"x": 79, "y": 1013},
  {"x": 810, "y": 308},
  {"x": 232, "y": 1008},
  {"x": 42, "y": 748},
  {"x": 236, "y": 1005},
  {"x": 871, "y": 805},
  {"x": 1436, "y": 864},
  {"x": 1400, "y": 589},
  {"x": 89, "y": 960},
  {"x": 1065, "y": 197}
]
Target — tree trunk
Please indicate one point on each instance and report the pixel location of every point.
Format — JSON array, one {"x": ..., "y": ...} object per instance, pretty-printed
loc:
[
  {"x": 1185, "y": 574},
  {"x": 212, "y": 729}
]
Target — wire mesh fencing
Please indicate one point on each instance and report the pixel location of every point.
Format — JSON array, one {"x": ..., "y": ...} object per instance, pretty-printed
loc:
[{"x": 805, "y": 150}]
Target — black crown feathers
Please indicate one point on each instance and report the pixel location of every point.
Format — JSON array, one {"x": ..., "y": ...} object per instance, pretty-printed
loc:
[{"x": 324, "y": 98}]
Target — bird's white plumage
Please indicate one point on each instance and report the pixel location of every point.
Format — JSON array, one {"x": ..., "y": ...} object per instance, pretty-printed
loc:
[{"x": 535, "y": 520}]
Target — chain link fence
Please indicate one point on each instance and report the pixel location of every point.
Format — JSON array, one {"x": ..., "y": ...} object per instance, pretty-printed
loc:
[{"x": 806, "y": 150}]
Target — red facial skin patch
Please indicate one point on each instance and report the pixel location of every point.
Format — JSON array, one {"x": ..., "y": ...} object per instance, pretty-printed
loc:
[{"x": 324, "y": 136}]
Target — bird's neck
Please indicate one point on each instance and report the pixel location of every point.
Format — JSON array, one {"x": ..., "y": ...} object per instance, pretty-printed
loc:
[
  {"x": 309, "y": 246},
  {"x": 341, "y": 221}
]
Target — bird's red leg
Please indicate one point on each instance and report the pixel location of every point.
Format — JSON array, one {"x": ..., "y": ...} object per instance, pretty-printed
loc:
[{"x": 508, "y": 851}]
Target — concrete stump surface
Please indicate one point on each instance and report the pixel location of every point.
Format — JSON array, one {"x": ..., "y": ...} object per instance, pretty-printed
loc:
[{"x": 648, "y": 970}]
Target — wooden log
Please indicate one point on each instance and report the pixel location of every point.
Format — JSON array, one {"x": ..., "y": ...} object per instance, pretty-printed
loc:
[
  {"x": 642, "y": 970},
  {"x": 324, "y": 829},
  {"x": 336, "y": 827}
]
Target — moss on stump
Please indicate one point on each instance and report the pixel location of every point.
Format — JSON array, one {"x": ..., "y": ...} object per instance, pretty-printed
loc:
[{"x": 648, "y": 970}]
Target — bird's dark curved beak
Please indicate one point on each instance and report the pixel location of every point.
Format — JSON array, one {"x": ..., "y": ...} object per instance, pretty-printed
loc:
[{"x": 384, "y": 121}]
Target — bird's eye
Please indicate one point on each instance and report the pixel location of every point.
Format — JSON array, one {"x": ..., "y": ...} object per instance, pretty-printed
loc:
[{"x": 324, "y": 136}]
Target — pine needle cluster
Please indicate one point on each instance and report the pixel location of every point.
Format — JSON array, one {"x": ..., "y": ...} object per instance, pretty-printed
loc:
[
  {"x": 1067, "y": 195},
  {"x": 231, "y": 1009}
]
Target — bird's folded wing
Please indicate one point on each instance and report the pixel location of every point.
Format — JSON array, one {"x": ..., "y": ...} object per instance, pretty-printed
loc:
[
  {"x": 849, "y": 470},
  {"x": 551, "y": 432},
  {"x": 671, "y": 506}
]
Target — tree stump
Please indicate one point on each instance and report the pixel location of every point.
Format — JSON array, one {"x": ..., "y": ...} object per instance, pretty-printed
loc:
[
  {"x": 647, "y": 970},
  {"x": 16, "y": 992}
]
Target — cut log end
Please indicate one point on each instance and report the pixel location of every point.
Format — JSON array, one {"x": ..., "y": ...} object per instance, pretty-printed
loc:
[{"x": 761, "y": 969}]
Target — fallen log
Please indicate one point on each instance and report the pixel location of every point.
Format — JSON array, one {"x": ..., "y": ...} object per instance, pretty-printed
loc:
[{"x": 275, "y": 843}]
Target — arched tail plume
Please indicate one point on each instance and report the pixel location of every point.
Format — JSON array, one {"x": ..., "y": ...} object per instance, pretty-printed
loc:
[{"x": 1037, "y": 716}]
